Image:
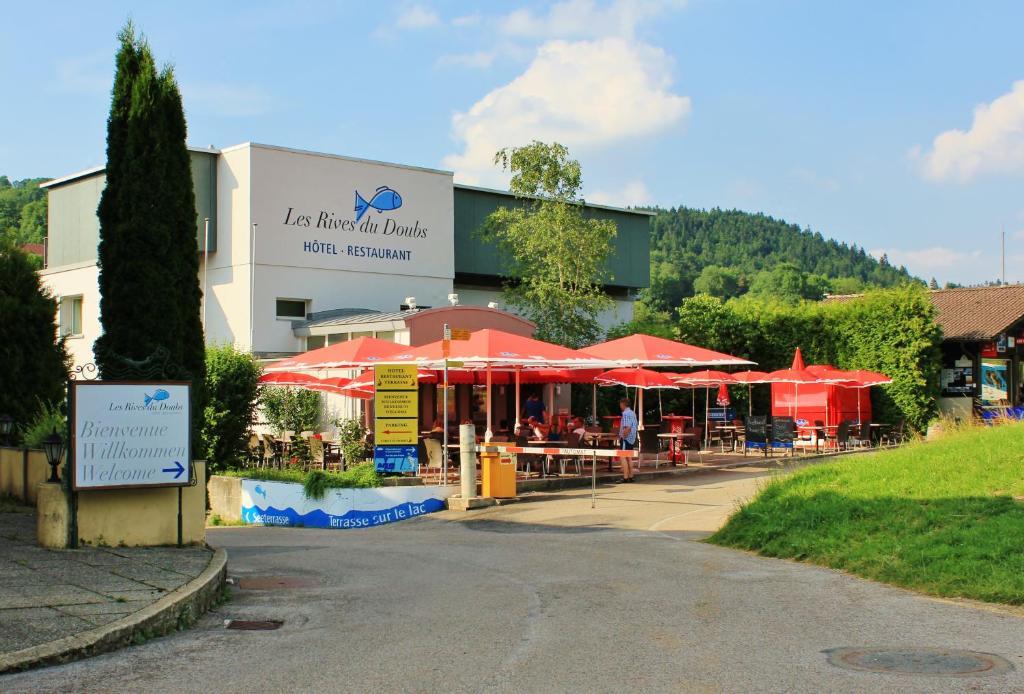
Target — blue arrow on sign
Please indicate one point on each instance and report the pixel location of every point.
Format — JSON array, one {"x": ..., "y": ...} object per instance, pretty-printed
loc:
[{"x": 176, "y": 470}]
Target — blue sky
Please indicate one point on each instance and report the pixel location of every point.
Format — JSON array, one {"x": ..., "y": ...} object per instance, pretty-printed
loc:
[{"x": 895, "y": 126}]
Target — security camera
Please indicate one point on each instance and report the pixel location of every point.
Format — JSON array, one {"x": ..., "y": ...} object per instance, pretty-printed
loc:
[
  {"x": 410, "y": 301},
  {"x": 492, "y": 304},
  {"x": 453, "y": 299}
]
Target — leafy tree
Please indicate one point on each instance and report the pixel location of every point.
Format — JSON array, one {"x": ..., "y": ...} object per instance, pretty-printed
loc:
[
  {"x": 557, "y": 257},
  {"x": 933, "y": 284},
  {"x": 232, "y": 389},
  {"x": 686, "y": 241},
  {"x": 716, "y": 280},
  {"x": 32, "y": 223},
  {"x": 647, "y": 321},
  {"x": 290, "y": 409},
  {"x": 14, "y": 199},
  {"x": 148, "y": 256},
  {"x": 33, "y": 362}
]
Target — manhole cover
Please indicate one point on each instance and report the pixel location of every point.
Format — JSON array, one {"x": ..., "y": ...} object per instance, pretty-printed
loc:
[
  {"x": 275, "y": 582},
  {"x": 920, "y": 661},
  {"x": 254, "y": 624}
]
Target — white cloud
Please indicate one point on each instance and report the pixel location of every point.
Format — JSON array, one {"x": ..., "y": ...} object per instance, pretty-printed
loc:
[
  {"x": 417, "y": 17},
  {"x": 632, "y": 194},
  {"x": 466, "y": 20},
  {"x": 584, "y": 94},
  {"x": 994, "y": 143},
  {"x": 928, "y": 259},
  {"x": 584, "y": 19},
  {"x": 1018, "y": 235}
]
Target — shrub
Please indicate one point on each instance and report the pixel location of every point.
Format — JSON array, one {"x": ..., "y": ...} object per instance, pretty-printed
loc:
[
  {"x": 232, "y": 387},
  {"x": 362, "y": 476},
  {"x": 48, "y": 419},
  {"x": 351, "y": 440}
]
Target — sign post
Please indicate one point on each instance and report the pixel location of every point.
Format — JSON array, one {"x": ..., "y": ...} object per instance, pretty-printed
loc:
[{"x": 396, "y": 412}]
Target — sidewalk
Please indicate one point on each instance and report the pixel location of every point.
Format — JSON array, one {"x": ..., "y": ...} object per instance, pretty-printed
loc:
[{"x": 59, "y": 605}]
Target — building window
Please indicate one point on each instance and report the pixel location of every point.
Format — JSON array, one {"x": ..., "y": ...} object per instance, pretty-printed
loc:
[
  {"x": 388, "y": 335},
  {"x": 335, "y": 338},
  {"x": 315, "y": 341},
  {"x": 71, "y": 316},
  {"x": 362, "y": 333},
  {"x": 291, "y": 308}
]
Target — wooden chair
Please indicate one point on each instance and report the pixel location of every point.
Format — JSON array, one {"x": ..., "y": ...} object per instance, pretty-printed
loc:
[
  {"x": 317, "y": 461},
  {"x": 271, "y": 450}
]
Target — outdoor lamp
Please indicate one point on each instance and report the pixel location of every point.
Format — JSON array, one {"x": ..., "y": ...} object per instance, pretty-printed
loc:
[
  {"x": 6, "y": 425},
  {"x": 53, "y": 447}
]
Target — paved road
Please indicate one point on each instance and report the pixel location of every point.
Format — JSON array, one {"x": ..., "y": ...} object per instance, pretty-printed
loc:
[{"x": 546, "y": 596}]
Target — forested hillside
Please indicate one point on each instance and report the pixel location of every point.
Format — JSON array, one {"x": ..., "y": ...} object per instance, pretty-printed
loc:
[
  {"x": 22, "y": 210},
  {"x": 728, "y": 253}
]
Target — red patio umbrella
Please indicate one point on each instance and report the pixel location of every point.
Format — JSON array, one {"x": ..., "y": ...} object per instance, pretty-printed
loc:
[
  {"x": 794, "y": 376},
  {"x": 866, "y": 379},
  {"x": 798, "y": 361},
  {"x": 648, "y": 350},
  {"x": 641, "y": 379},
  {"x": 363, "y": 351},
  {"x": 490, "y": 349},
  {"x": 288, "y": 378},
  {"x": 722, "y": 400},
  {"x": 750, "y": 378}
]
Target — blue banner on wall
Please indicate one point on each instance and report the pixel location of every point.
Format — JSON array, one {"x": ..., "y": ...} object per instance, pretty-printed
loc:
[{"x": 395, "y": 458}]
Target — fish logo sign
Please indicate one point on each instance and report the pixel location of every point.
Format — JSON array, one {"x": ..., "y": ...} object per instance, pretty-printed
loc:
[
  {"x": 159, "y": 395},
  {"x": 261, "y": 491},
  {"x": 383, "y": 199}
]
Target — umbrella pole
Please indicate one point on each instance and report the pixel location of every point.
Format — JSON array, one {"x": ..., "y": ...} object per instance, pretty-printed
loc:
[
  {"x": 707, "y": 410},
  {"x": 488, "y": 433},
  {"x": 750, "y": 401},
  {"x": 515, "y": 428},
  {"x": 593, "y": 405},
  {"x": 661, "y": 412}
]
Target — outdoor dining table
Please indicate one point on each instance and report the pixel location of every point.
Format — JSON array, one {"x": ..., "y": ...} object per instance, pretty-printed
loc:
[{"x": 680, "y": 436}]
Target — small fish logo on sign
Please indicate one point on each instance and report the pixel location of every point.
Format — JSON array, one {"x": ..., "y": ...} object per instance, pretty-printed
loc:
[
  {"x": 382, "y": 200},
  {"x": 261, "y": 491},
  {"x": 159, "y": 395}
]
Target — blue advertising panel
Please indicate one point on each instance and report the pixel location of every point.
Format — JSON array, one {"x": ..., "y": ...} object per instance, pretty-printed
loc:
[{"x": 395, "y": 458}]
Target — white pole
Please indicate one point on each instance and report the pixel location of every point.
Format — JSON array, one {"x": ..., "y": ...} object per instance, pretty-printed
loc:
[
  {"x": 467, "y": 455},
  {"x": 489, "y": 433},
  {"x": 707, "y": 420},
  {"x": 593, "y": 406},
  {"x": 206, "y": 266},
  {"x": 593, "y": 481},
  {"x": 444, "y": 435},
  {"x": 252, "y": 291},
  {"x": 515, "y": 427}
]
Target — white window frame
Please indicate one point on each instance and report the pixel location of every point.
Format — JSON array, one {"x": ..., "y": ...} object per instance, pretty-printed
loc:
[{"x": 66, "y": 317}]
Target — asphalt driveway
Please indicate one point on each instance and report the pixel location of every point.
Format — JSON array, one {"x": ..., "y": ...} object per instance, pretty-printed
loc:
[{"x": 546, "y": 596}]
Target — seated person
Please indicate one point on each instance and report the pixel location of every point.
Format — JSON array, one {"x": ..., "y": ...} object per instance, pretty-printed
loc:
[
  {"x": 538, "y": 430},
  {"x": 437, "y": 427},
  {"x": 579, "y": 428},
  {"x": 553, "y": 432}
]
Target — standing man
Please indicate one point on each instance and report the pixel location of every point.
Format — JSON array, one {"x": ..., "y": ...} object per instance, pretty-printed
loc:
[
  {"x": 535, "y": 408},
  {"x": 627, "y": 437}
]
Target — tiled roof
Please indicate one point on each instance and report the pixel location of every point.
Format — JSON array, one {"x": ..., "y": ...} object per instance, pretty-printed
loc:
[
  {"x": 33, "y": 248},
  {"x": 978, "y": 313}
]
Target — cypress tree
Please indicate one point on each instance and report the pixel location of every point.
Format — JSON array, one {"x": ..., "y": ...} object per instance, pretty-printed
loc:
[
  {"x": 148, "y": 254},
  {"x": 33, "y": 362}
]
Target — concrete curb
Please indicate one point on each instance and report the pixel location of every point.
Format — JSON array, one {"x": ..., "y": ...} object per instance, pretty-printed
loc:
[{"x": 181, "y": 606}]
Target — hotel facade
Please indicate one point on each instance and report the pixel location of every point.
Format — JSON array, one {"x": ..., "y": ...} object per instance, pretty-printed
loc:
[{"x": 302, "y": 249}]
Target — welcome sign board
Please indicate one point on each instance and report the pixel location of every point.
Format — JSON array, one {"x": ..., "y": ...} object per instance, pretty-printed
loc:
[{"x": 130, "y": 434}]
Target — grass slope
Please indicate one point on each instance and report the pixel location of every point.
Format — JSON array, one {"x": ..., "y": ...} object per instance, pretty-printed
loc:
[{"x": 943, "y": 517}]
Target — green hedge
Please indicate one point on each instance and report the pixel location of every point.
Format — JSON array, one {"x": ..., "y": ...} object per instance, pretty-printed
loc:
[
  {"x": 316, "y": 482},
  {"x": 889, "y": 330}
]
